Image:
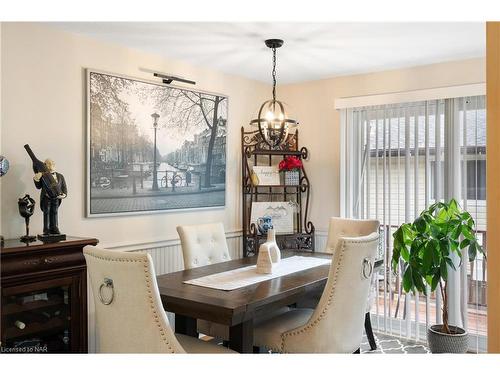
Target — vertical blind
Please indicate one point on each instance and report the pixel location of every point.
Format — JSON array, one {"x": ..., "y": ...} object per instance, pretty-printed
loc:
[{"x": 398, "y": 159}]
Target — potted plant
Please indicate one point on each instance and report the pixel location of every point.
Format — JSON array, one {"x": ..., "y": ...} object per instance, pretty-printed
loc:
[
  {"x": 426, "y": 248},
  {"x": 291, "y": 166}
]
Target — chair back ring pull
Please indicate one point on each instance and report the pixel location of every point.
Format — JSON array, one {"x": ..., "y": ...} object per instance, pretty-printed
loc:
[
  {"x": 108, "y": 283},
  {"x": 367, "y": 269}
]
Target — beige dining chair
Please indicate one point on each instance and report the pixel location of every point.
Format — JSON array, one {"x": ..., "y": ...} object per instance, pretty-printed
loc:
[
  {"x": 129, "y": 313},
  {"x": 336, "y": 324},
  {"x": 202, "y": 245},
  {"x": 341, "y": 227}
]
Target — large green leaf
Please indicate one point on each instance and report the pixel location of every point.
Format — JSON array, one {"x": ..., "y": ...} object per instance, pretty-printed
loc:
[
  {"x": 418, "y": 281},
  {"x": 455, "y": 229},
  {"x": 468, "y": 233},
  {"x": 435, "y": 230},
  {"x": 465, "y": 242},
  {"x": 405, "y": 254},
  {"x": 444, "y": 246},
  {"x": 436, "y": 253},
  {"x": 407, "y": 280},
  {"x": 465, "y": 216},
  {"x": 427, "y": 260},
  {"x": 450, "y": 263},
  {"x": 420, "y": 225},
  {"x": 442, "y": 216},
  {"x": 435, "y": 280},
  {"x": 453, "y": 207},
  {"x": 472, "y": 251}
]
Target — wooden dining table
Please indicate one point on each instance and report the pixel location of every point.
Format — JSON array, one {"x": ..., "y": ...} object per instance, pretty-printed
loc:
[{"x": 236, "y": 308}]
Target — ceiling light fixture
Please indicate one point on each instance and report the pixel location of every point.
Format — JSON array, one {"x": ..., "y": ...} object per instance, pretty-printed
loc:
[{"x": 272, "y": 120}]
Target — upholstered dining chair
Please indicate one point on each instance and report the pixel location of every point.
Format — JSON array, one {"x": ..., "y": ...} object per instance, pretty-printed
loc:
[
  {"x": 336, "y": 324},
  {"x": 205, "y": 244},
  {"x": 129, "y": 313},
  {"x": 202, "y": 245},
  {"x": 340, "y": 227}
]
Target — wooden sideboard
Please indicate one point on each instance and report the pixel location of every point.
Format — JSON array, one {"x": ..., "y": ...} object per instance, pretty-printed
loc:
[{"x": 44, "y": 296}]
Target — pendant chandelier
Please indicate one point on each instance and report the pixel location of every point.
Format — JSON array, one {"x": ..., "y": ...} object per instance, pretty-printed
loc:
[{"x": 272, "y": 120}]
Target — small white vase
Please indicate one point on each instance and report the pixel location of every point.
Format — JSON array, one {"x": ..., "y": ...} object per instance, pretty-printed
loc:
[
  {"x": 264, "y": 261},
  {"x": 273, "y": 246}
]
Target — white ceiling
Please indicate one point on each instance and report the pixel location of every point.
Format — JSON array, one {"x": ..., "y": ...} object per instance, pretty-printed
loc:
[{"x": 311, "y": 50}]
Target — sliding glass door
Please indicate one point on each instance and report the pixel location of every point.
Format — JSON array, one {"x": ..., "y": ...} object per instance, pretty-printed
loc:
[{"x": 397, "y": 160}]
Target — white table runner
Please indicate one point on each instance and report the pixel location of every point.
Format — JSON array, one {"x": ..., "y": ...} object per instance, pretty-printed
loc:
[{"x": 241, "y": 277}]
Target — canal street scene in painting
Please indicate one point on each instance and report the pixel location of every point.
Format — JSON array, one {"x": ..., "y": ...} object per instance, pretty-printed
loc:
[{"x": 153, "y": 147}]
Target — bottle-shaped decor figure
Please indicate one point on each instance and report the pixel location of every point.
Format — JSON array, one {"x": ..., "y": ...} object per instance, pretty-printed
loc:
[
  {"x": 52, "y": 189},
  {"x": 264, "y": 261},
  {"x": 273, "y": 246}
]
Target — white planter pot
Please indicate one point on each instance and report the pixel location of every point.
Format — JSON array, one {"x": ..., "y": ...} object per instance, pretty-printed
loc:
[{"x": 292, "y": 177}]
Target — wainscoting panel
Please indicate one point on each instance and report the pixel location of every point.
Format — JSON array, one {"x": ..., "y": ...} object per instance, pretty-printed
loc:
[
  {"x": 167, "y": 257},
  {"x": 320, "y": 241}
]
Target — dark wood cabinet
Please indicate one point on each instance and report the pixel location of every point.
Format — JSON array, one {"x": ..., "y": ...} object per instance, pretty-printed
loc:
[{"x": 44, "y": 296}]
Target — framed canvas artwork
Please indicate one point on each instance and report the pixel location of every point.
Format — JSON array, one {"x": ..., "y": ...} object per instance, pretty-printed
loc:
[{"x": 153, "y": 147}]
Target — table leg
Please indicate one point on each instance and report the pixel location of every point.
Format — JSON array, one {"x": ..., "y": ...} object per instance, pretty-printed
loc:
[
  {"x": 185, "y": 325},
  {"x": 241, "y": 337}
]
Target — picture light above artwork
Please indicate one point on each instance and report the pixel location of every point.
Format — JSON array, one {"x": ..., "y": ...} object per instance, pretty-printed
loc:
[{"x": 167, "y": 78}]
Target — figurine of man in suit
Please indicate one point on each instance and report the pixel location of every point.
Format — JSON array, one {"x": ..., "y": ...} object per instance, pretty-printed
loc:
[{"x": 49, "y": 205}]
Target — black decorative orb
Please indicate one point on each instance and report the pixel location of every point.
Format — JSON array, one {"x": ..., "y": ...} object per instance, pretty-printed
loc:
[
  {"x": 273, "y": 122},
  {"x": 4, "y": 165}
]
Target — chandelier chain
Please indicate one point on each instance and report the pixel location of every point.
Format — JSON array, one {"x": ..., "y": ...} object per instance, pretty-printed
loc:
[{"x": 274, "y": 73}]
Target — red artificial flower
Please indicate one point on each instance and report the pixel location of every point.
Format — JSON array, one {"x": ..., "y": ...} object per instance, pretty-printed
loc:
[
  {"x": 282, "y": 165},
  {"x": 290, "y": 163}
]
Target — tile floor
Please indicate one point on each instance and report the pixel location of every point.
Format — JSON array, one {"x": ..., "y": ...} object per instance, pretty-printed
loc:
[{"x": 385, "y": 345}]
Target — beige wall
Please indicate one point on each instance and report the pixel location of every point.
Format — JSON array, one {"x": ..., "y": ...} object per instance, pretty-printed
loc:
[
  {"x": 42, "y": 72},
  {"x": 312, "y": 103},
  {"x": 43, "y": 104}
]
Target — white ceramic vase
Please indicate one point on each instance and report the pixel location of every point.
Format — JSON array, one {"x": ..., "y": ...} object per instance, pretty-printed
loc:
[
  {"x": 273, "y": 246},
  {"x": 264, "y": 261}
]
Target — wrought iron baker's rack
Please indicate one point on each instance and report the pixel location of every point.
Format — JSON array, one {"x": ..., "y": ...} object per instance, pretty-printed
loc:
[{"x": 255, "y": 151}]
